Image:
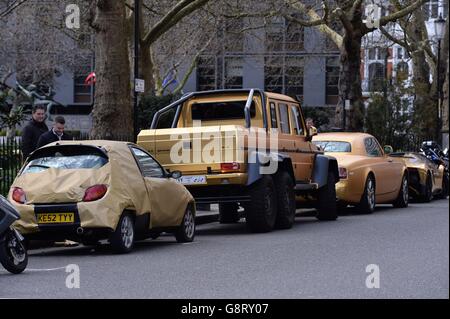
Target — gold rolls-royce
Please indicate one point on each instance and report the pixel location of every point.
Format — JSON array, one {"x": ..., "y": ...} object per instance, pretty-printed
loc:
[{"x": 367, "y": 175}]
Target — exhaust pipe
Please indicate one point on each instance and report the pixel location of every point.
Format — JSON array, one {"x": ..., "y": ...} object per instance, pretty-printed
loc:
[{"x": 80, "y": 231}]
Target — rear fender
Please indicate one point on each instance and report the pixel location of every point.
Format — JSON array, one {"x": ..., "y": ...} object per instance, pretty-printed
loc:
[{"x": 260, "y": 164}]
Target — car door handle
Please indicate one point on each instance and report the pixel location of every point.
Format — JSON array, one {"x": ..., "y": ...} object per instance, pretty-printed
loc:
[{"x": 390, "y": 161}]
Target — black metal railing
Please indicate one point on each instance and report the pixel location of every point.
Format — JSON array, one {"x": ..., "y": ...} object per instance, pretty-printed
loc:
[{"x": 11, "y": 162}]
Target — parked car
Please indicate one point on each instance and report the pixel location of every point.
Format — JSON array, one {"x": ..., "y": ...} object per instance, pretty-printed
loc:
[
  {"x": 91, "y": 190},
  {"x": 427, "y": 178},
  {"x": 367, "y": 175},
  {"x": 235, "y": 173}
]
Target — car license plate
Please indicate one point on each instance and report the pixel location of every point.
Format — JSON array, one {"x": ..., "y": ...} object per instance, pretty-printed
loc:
[
  {"x": 192, "y": 180},
  {"x": 56, "y": 218}
]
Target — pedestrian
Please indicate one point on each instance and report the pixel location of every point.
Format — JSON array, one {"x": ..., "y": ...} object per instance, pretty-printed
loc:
[
  {"x": 55, "y": 134},
  {"x": 33, "y": 130},
  {"x": 310, "y": 127}
]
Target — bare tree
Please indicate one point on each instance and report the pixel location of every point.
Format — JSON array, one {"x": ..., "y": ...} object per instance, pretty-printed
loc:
[
  {"x": 348, "y": 38},
  {"x": 415, "y": 39}
]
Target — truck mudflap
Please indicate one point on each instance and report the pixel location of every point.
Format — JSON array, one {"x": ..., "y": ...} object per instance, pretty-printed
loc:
[{"x": 322, "y": 165}]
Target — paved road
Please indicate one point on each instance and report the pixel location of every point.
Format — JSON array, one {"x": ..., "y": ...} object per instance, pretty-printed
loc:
[{"x": 311, "y": 260}]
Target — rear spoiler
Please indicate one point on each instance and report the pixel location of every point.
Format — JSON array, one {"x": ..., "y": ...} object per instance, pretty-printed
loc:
[{"x": 179, "y": 105}]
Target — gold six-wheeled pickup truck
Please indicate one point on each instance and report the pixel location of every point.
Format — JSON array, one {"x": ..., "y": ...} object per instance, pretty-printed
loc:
[{"x": 245, "y": 149}]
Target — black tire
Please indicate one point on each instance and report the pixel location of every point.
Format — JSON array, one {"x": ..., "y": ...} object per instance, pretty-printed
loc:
[
  {"x": 427, "y": 196},
  {"x": 186, "y": 231},
  {"x": 122, "y": 239},
  {"x": 444, "y": 191},
  {"x": 155, "y": 236},
  {"x": 284, "y": 186},
  {"x": 402, "y": 200},
  {"x": 228, "y": 213},
  {"x": 261, "y": 212},
  {"x": 13, "y": 254},
  {"x": 368, "y": 199},
  {"x": 327, "y": 204}
]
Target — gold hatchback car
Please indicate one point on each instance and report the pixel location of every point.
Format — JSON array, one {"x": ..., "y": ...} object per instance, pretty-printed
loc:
[{"x": 92, "y": 190}]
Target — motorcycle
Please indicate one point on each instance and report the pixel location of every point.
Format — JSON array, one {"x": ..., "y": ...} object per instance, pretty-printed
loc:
[
  {"x": 434, "y": 152},
  {"x": 13, "y": 254}
]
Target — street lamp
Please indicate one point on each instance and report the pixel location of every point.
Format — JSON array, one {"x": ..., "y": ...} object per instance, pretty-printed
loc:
[{"x": 439, "y": 25}]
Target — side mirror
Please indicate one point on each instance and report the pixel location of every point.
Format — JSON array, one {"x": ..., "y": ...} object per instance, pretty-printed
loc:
[
  {"x": 388, "y": 149},
  {"x": 175, "y": 174}
]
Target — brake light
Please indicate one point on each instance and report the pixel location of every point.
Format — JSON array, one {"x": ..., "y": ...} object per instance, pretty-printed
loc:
[
  {"x": 343, "y": 173},
  {"x": 229, "y": 167},
  {"x": 19, "y": 195},
  {"x": 94, "y": 192}
]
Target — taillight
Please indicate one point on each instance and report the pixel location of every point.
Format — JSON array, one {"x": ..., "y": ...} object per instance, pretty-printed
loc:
[
  {"x": 19, "y": 195},
  {"x": 94, "y": 192},
  {"x": 343, "y": 173},
  {"x": 229, "y": 167}
]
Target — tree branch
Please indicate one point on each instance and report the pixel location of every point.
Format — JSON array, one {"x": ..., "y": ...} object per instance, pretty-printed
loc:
[
  {"x": 324, "y": 28},
  {"x": 191, "y": 67},
  {"x": 179, "y": 11},
  {"x": 12, "y": 7},
  {"x": 394, "y": 39}
]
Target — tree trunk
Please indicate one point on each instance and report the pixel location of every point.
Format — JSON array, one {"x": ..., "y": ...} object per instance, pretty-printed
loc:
[
  {"x": 425, "y": 103},
  {"x": 350, "y": 80},
  {"x": 112, "y": 115},
  {"x": 146, "y": 68},
  {"x": 445, "y": 108},
  {"x": 425, "y": 114}
]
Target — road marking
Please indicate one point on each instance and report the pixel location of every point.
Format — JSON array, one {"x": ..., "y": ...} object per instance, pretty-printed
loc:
[{"x": 38, "y": 270}]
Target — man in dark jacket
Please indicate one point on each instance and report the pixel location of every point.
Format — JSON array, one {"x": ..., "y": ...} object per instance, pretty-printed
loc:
[
  {"x": 55, "y": 134},
  {"x": 33, "y": 130}
]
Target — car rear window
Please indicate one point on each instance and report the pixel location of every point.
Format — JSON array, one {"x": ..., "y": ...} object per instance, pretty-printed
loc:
[
  {"x": 233, "y": 110},
  {"x": 66, "y": 157},
  {"x": 334, "y": 146}
]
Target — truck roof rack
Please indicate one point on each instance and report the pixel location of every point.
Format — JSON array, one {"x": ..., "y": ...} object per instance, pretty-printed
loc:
[{"x": 191, "y": 95}]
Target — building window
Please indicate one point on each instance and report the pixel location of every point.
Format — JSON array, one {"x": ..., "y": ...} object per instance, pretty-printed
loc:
[
  {"x": 284, "y": 74},
  {"x": 273, "y": 74},
  {"x": 399, "y": 53},
  {"x": 332, "y": 80},
  {"x": 234, "y": 36},
  {"x": 372, "y": 54},
  {"x": 431, "y": 10},
  {"x": 284, "y": 36},
  {"x": 294, "y": 37},
  {"x": 206, "y": 73},
  {"x": 233, "y": 73},
  {"x": 275, "y": 35},
  {"x": 402, "y": 71},
  {"x": 330, "y": 45},
  {"x": 293, "y": 77},
  {"x": 376, "y": 77},
  {"x": 82, "y": 93}
]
